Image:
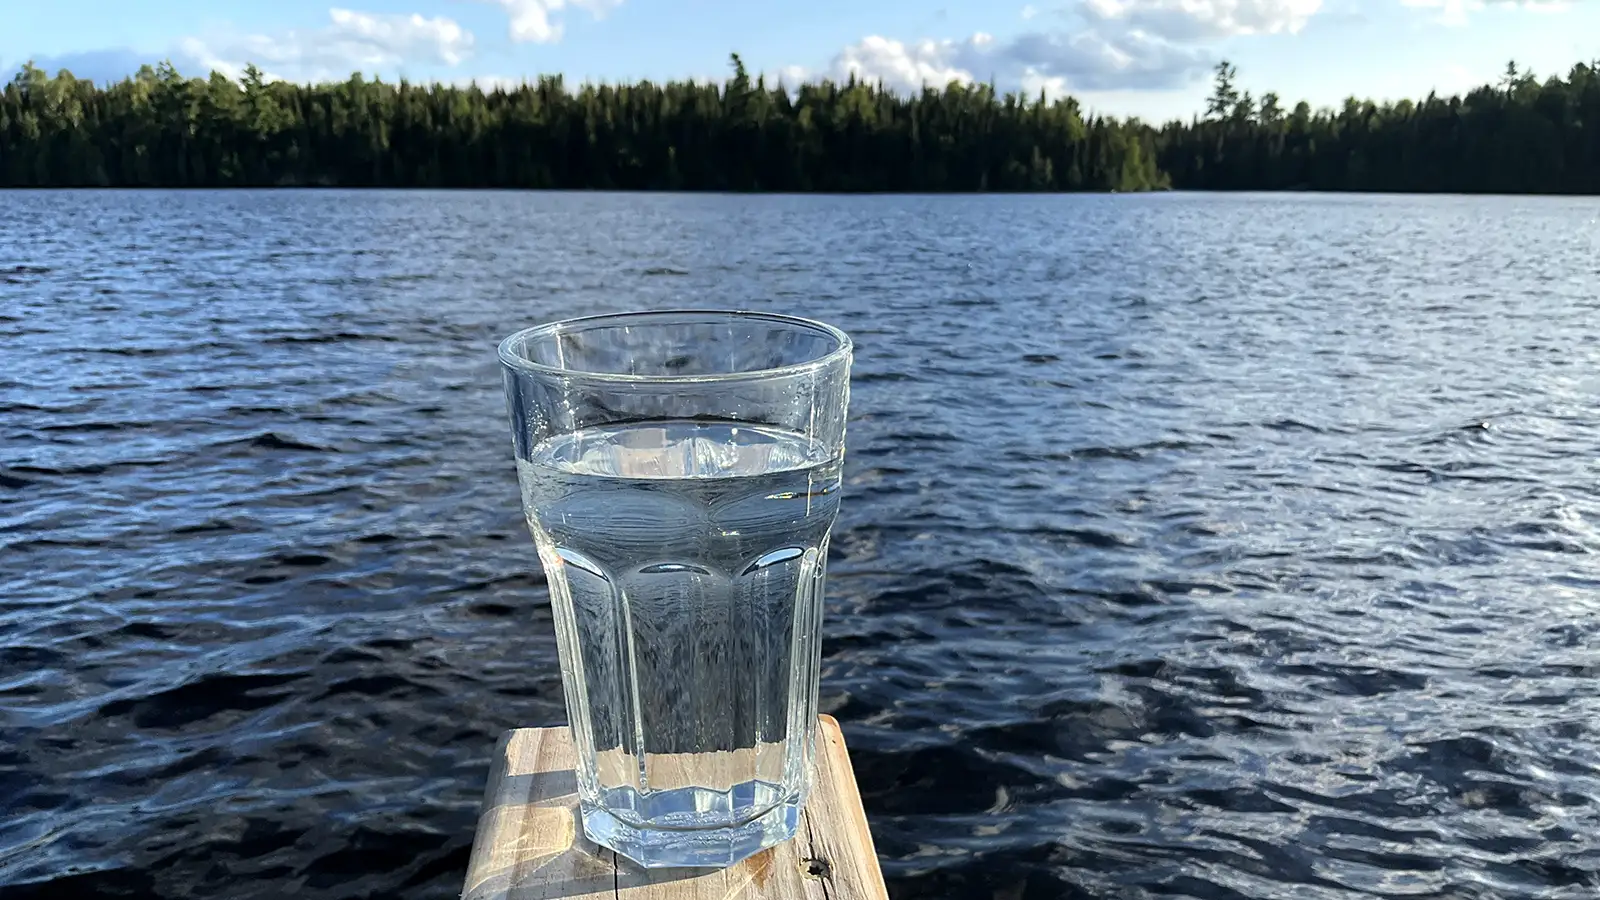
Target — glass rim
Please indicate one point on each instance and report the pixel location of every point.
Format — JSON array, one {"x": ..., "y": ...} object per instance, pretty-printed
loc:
[{"x": 513, "y": 360}]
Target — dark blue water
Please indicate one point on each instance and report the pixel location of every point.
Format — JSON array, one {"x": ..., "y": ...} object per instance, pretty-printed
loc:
[{"x": 1209, "y": 547}]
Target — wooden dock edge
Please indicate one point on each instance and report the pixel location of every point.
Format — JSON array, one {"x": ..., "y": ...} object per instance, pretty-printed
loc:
[{"x": 530, "y": 845}]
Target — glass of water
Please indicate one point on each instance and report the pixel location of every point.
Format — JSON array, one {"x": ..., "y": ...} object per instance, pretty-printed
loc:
[{"x": 680, "y": 474}]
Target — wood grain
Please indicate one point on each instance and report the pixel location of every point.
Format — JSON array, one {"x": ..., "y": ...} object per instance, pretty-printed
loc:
[{"x": 530, "y": 844}]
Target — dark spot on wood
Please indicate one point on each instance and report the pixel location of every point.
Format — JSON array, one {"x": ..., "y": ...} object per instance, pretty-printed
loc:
[{"x": 817, "y": 868}]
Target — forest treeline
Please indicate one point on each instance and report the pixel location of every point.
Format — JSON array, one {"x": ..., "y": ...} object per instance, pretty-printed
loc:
[{"x": 161, "y": 128}]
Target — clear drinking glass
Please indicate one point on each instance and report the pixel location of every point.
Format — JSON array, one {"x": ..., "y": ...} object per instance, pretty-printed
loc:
[{"x": 680, "y": 474}]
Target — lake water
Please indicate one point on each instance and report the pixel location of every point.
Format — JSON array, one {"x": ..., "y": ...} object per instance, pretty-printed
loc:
[{"x": 1191, "y": 546}]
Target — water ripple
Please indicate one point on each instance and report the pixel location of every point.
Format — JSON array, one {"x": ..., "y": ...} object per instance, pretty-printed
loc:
[{"x": 1223, "y": 547}]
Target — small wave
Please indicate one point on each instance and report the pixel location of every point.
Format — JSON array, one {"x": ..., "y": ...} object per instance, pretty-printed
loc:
[
  {"x": 89, "y": 468},
  {"x": 154, "y": 631},
  {"x": 1191, "y": 588},
  {"x": 1040, "y": 357},
  {"x": 940, "y": 780},
  {"x": 1136, "y": 598},
  {"x": 1407, "y": 468},
  {"x": 109, "y": 880},
  {"x": 299, "y": 560},
  {"x": 14, "y": 483},
  {"x": 145, "y": 351},
  {"x": 919, "y": 437},
  {"x": 1292, "y": 425},
  {"x": 1366, "y": 681},
  {"x": 1088, "y": 537},
  {"x": 664, "y": 270},
  {"x": 1123, "y": 453},
  {"x": 1132, "y": 453},
  {"x": 17, "y": 656},
  {"x": 1383, "y": 558},
  {"x": 1550, "y": 544},
  {"x": 377, "y": 686},
  {"x": 262, "y": 579},
  {"x": 1470, "y": 433},
  {"x": 201, "y": 699},
  {"x": 272, "y": 440},
  {"x": 514, "y": 579},
  {"x": 87, "y": 426},
  {"x": 30, "y": 407},
  {"x": 333, "y": 338}
]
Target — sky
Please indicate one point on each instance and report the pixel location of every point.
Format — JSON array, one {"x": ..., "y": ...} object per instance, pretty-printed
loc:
[{"x": 1147, "y": 58}]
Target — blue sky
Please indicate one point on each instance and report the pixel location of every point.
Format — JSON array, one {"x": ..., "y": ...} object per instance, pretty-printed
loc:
[{"x": 1126, "y": 57}]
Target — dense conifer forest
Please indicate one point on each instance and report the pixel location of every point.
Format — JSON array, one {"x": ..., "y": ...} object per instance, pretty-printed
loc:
[{"x": 163, "y": 128}]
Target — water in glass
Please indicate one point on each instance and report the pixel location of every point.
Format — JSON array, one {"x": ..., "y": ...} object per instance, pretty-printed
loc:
[{"x": 686, "y": 561}]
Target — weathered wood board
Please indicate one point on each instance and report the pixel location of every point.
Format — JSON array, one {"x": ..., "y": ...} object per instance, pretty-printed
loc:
[{"x": 530, "y": 845}]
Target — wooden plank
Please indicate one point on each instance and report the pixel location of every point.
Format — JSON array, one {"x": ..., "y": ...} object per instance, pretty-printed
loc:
[
  {"x": 530, "y": 844},
  {"x": 835, "y": 825}
]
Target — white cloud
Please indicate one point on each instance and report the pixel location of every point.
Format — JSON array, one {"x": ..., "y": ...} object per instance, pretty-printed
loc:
[
  {"x": 905, "y": 67},
  {"x": 1034, "y": 82},
  {"x": 1091, "y": 59},
  {"x": 1108, "y": 58},
  {"x": 531, "y": 19},
  {"x": 352, "y": 41},
  {"x": 1115, "y": 45},
  {"x": 1195, "y": 20},
  {"x": 401, "y": 36}
]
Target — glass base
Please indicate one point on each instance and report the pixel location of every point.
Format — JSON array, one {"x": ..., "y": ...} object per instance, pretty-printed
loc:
[{"x": 659, "y": 848}]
